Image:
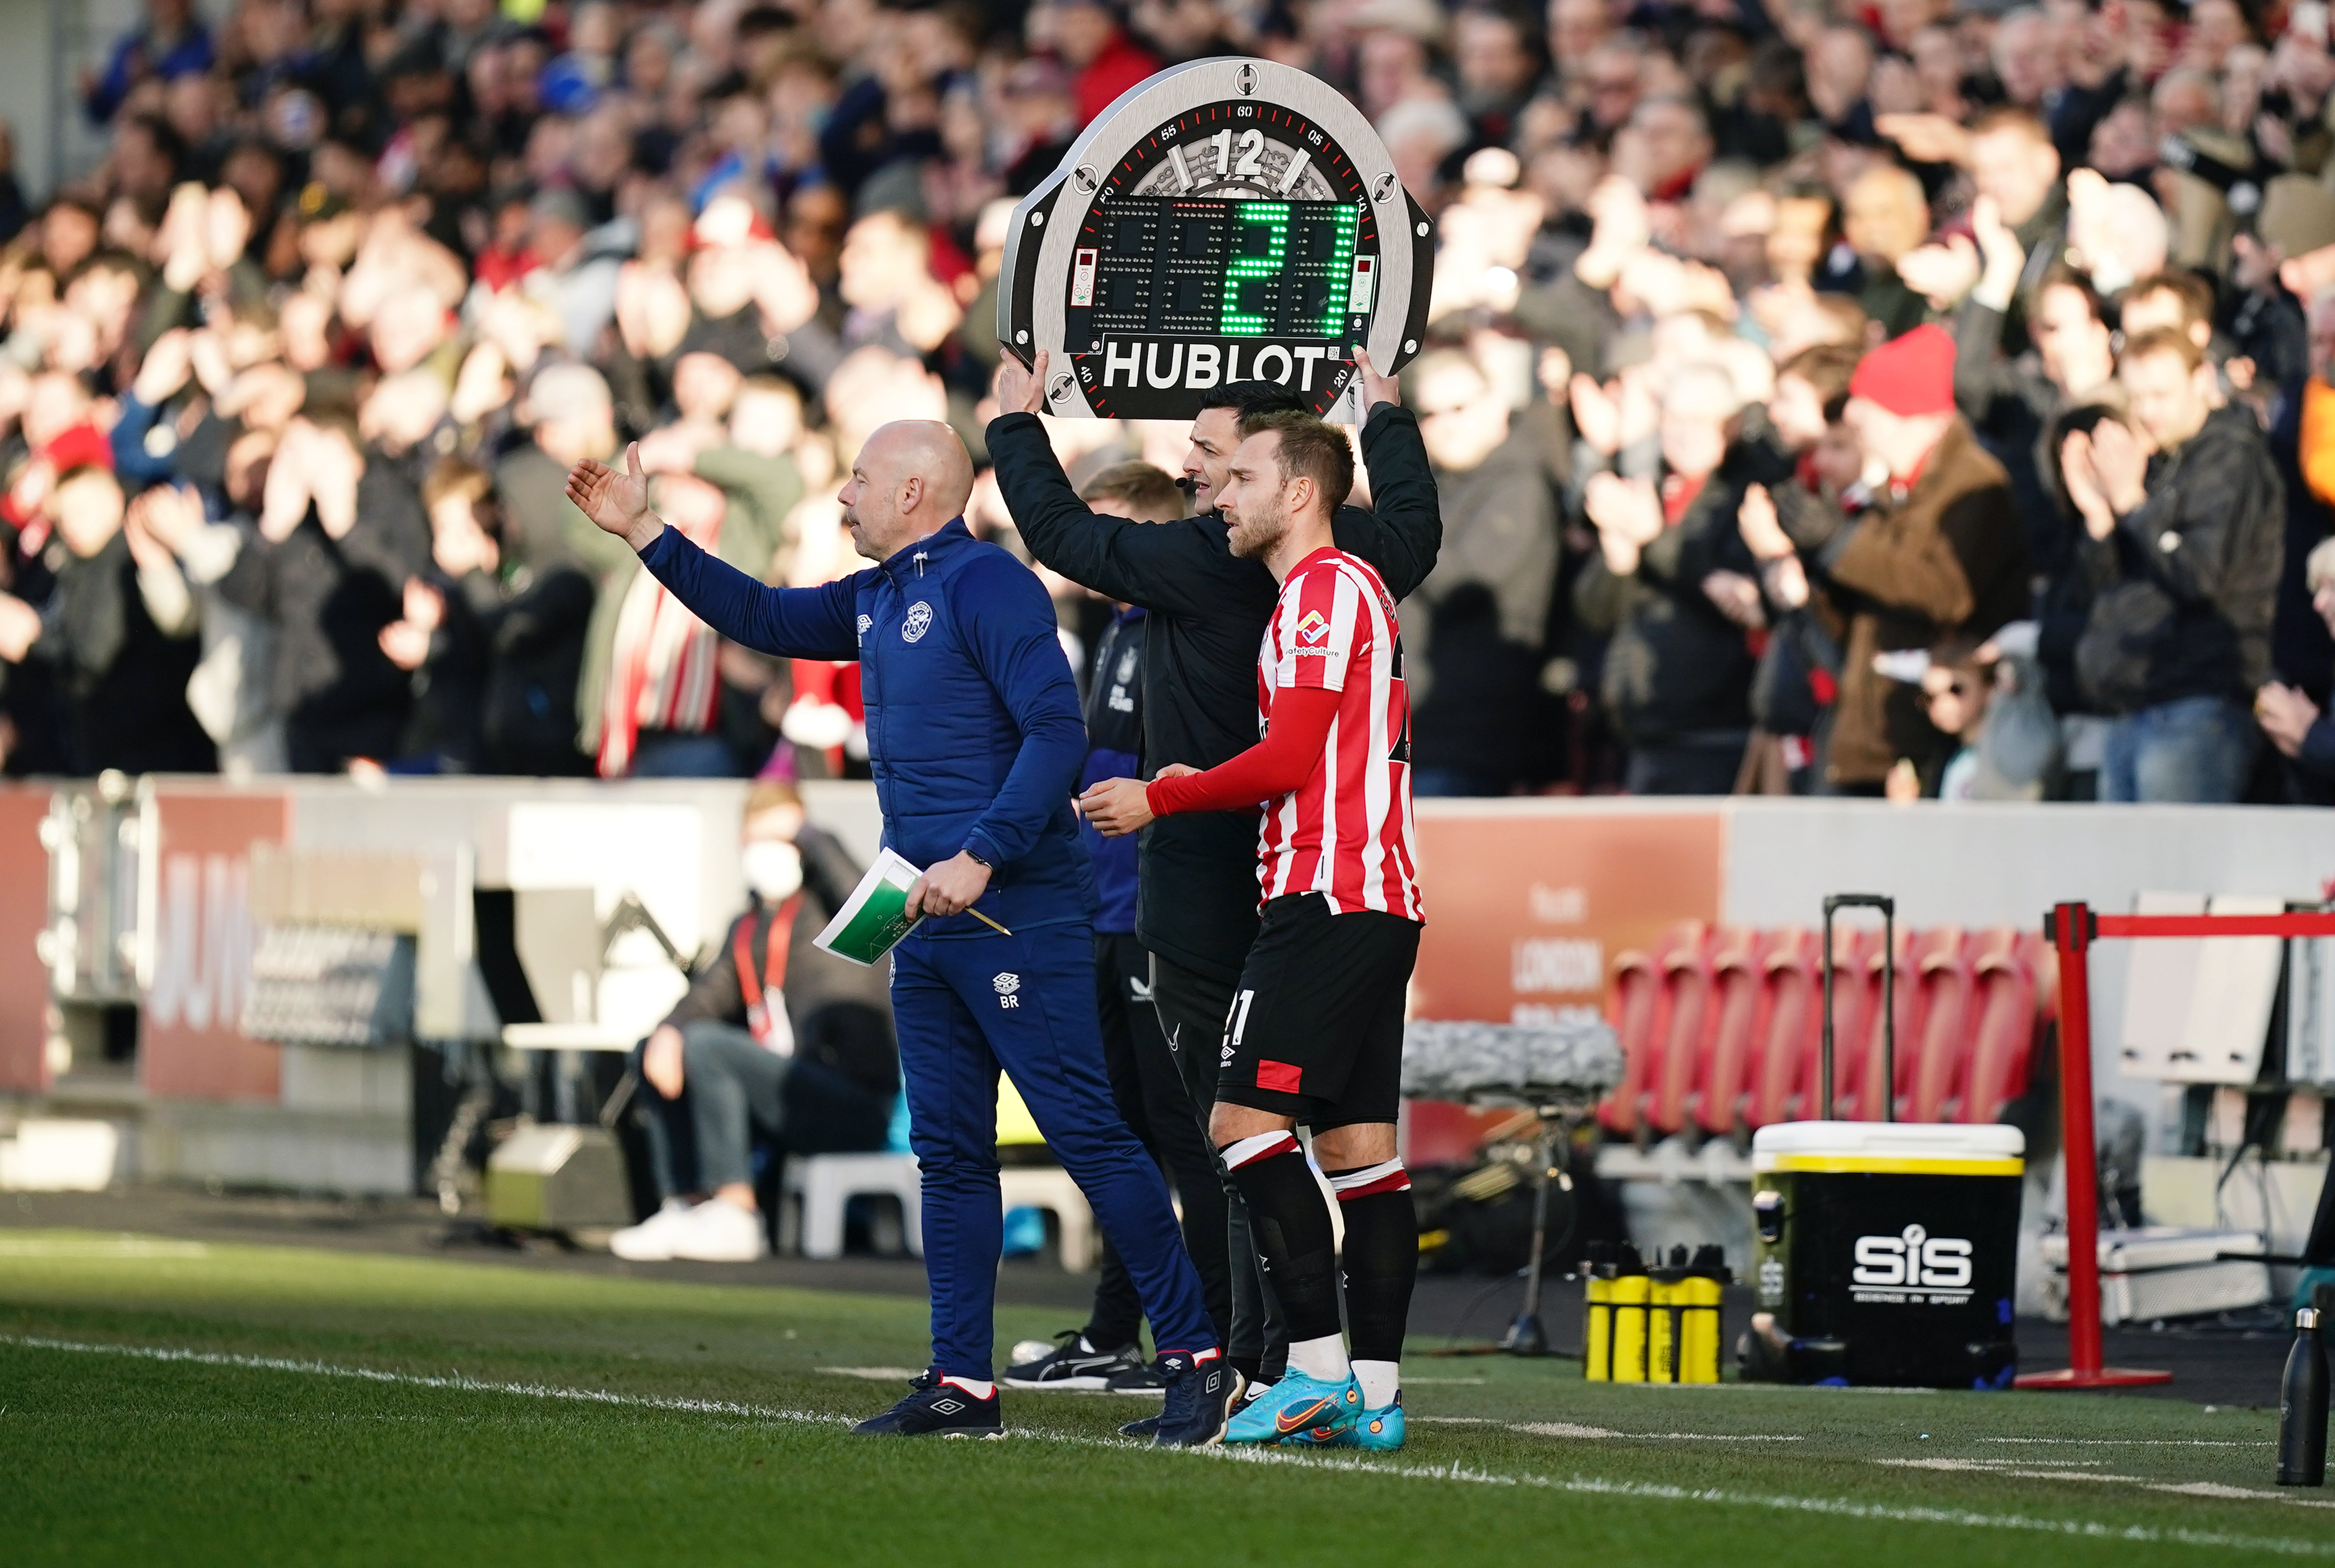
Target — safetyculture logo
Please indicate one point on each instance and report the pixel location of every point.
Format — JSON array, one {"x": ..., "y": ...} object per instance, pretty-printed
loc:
[
  {"x": 1313, "y": 628},
  {"x": 1913, "y": 1267},
  {"x": 1006, "y": 986},
  {"x": 919, "y": 622}
]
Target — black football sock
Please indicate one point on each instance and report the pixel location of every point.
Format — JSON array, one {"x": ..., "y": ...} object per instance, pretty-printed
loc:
[
  {"x": 1380, "y": 1256},
  {"x": 1290, "y": 1225}
]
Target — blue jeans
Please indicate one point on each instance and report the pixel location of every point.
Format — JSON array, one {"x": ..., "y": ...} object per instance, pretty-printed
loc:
[
  {"x": 965, "y": 1007},
  {"x": 2193, "y": 751}
]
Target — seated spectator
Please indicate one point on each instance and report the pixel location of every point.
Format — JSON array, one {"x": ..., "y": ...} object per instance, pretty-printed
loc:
[
  {"x": 775, "y": 1041},
  {"x": 2184, "y": 553}
]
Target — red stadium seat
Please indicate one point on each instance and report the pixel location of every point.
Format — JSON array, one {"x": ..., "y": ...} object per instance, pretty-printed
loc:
[
  {"x": 1686, "y": 1044},
  {"x": 2010, "y": 968},
  {"x": 1781, "y": 1079},
  {"x": 1855, "y": 1003},
  {"x": 1861, "y": 1102},
  {"x": 1930, "y": 1085},
  {"x": 1739, "y": 1008},
  {"x": 1641, "y": 1013}
]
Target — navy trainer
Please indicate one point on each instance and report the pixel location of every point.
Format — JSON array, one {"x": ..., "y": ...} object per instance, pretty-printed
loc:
[
  {"x": 1201, "y": 1396},
  {"x": 936, "y": 1409}
]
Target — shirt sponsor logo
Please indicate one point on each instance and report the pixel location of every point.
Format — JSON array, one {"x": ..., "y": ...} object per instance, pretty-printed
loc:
[
  {"x": 1313, "y": 628},
  {"x": 919, "y": 622}
]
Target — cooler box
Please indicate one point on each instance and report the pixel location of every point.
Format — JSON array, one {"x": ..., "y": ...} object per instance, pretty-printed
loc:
[{"x": 1887, "y": 1250}]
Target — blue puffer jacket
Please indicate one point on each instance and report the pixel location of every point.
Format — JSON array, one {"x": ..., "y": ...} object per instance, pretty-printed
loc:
[{"x": 973, "y": 732}]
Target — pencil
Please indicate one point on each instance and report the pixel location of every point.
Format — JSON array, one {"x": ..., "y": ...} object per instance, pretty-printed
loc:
[{"x": 992, "y": 925}]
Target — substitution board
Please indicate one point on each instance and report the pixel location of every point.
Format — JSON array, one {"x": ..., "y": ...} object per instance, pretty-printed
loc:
[{"x": 1225, "y": 220}]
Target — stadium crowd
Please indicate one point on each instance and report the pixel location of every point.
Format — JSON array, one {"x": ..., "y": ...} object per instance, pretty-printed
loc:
[{"x": 1925, "y": 397}]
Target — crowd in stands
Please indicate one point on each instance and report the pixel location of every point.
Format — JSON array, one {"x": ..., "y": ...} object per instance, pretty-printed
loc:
[{"x": 1921, "y": 397}]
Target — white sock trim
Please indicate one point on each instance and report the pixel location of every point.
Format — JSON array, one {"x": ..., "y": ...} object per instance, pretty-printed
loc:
[
  {"x": 1381, "y": 1383},
  {"x": 1249, "y": 1150},
  {"x": 979, "y": 1390},
  {"x": 1386, "y": 1176},
  {"x": 1323, "y": 1359}
]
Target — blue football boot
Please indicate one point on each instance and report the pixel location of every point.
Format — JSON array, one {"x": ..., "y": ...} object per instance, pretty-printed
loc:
[
  {"x": 1380, "y": 1430},
  {"x": 1298, "y": 1409}
]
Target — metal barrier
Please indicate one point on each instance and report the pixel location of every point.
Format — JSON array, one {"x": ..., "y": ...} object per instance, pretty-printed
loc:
[{"x": 2072, "y": 929}]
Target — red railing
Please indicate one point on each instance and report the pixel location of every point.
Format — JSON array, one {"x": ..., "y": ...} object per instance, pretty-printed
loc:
[{"x": 2071, "y": 929}]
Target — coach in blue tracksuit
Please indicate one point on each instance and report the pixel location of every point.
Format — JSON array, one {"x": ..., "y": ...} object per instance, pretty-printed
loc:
[{"x": 974, "y": 738}]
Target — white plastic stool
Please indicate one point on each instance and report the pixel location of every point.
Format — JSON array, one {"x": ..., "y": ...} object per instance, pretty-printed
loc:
[
  {"x": 823, "y": 1183},
  {"x": 1051, "y": 1187}
]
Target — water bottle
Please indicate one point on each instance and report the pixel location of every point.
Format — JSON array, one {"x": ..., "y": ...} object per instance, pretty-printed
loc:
[{"x": 2302, "y": 1408}]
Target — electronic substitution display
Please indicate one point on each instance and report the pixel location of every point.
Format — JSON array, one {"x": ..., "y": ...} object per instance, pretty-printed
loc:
[{"x": 1203, "y": 232}]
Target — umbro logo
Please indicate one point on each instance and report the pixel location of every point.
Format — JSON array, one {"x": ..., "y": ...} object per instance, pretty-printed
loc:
[
  {"x": 865, "y": 621},
  {"x": 948, "y": 1407},
  {"x": 1006, "y": 986}
]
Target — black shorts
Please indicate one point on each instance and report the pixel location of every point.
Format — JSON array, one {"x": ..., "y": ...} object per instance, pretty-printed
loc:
[{"x": 1315, "y": 1030}]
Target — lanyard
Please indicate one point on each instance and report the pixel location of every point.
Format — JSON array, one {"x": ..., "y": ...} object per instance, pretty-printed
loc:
[{"x": 766, "y": 1021}]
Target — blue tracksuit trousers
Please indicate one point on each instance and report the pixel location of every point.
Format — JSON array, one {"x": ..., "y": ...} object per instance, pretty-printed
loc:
[{"x": 965, "y": 1007}]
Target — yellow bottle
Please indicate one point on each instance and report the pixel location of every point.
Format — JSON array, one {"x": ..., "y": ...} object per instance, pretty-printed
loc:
[
  {"x": 1597, "y": 1348},
  {"x": 1632, "y": 1291},
  {"x": 1699, "y": 1296},
  {"x": 1665, "y": 1291}
]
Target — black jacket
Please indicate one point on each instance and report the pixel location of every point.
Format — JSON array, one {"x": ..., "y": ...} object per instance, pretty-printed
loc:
[
  {"x": 124, "y": 678},
  {"x": 1198, "y": 902},
  {"x": 1677, "y": 670},
  {"x": 328, "y": 600},
  {"x": 1480, "y": 706},
  {"x": 2188, "y": 582}
]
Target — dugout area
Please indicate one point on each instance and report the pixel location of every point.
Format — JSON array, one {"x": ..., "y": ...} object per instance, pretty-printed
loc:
[{"x": 170, "y": 1399}]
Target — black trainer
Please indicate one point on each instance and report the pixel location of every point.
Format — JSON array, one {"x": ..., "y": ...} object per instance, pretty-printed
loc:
[
  {"x": 1150, "y": 1377},
  {"x": 935, "y": 1409},
  {"x": 1201, "y": 1397},
  {"x": 1146, "y": 1428},
  {"x": 1074, "y": 1364}
]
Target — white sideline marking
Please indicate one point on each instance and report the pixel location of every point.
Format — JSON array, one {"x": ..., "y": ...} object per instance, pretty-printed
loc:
[
  {"x": 454, "y": 1381},
  {"x": 1987, "y": 1467},
  {"x": 873, "y": 1374},
  {"x": 124, "y": 1246},
  {"x": 2140, "y": 1442},
  {"x": 1569, "y": 1429},
  {"x": 1587, "y": 1485}
]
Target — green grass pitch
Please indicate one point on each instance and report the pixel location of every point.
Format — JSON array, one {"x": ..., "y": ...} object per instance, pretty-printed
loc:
[{"x": 167, "y": 1403}]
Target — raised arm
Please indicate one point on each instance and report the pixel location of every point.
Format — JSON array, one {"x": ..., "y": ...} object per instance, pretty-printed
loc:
[
  {"x": 1405, "y": 532},
  {"x": 801, "y": 622}
]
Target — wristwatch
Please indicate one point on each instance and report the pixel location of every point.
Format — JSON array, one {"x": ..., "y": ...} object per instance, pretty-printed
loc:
[{"x": 977, "y": 860}]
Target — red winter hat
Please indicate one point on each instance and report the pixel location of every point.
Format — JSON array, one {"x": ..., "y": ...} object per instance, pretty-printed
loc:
[
  {"x": 1910, "y": 375},
  {"x": 79, "y": 446}
]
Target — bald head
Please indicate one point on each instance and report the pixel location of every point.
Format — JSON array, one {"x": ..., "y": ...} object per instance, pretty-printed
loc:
[{"x": 910, "y": 479}]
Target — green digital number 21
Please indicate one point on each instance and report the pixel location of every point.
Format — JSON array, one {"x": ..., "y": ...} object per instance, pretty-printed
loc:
[{"x": 1269, "y": 215}]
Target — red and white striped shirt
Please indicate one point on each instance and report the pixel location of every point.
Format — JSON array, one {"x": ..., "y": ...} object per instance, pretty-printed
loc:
[{"x": 1347, "y": 831}]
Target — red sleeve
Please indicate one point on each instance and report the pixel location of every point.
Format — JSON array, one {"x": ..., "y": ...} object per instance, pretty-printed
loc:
[{"x": 1281, "y": 762}]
